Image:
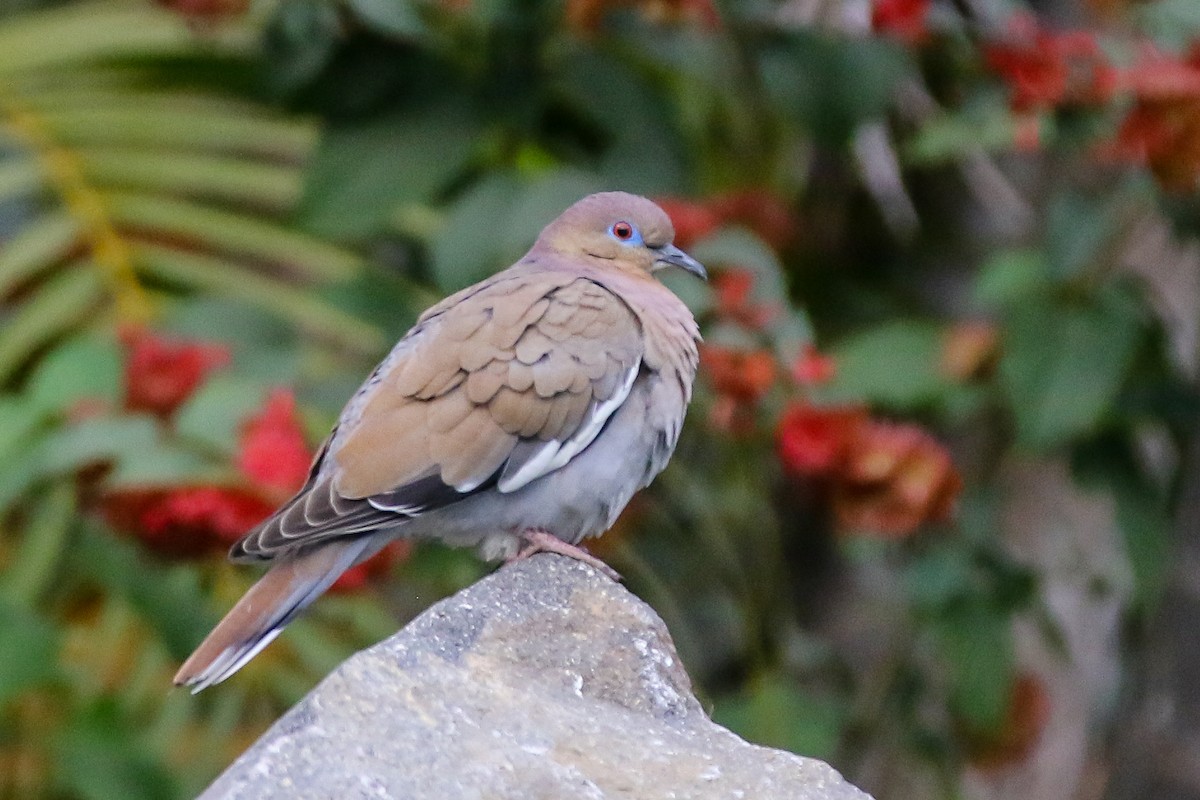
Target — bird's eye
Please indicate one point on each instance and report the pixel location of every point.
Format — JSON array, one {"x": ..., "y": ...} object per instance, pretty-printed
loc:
[{"x": 622, "y": 230}]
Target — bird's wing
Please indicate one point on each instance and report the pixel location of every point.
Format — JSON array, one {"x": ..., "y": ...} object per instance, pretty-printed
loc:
[{"x": 495, "y": 388}]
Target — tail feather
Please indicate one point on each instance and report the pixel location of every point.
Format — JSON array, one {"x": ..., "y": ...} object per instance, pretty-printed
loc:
[{"x": 264, "y": 611}]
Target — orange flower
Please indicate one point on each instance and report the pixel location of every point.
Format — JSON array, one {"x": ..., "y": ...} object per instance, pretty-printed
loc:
[
  {"x": 1162, "y": 130},
  {"x": 732, "y": 288},
  {"x": 895, "y": 479},
  {"x": 740, "y": 378},
  {"x": 969, "y": 350},
  {"x": 160, "y": 374}
]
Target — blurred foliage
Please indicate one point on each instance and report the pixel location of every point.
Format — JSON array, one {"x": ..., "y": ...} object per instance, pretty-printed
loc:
[{"x": 209, "y": 205}]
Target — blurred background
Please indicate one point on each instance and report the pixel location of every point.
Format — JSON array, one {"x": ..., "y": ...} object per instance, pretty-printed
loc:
[{"x": 935, "y": 516}]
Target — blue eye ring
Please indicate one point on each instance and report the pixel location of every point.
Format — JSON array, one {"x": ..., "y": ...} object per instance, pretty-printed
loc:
[{"x": 625, "y": 233}]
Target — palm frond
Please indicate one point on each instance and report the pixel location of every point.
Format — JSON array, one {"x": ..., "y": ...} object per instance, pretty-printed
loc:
[{"x": 113, "y": 191}]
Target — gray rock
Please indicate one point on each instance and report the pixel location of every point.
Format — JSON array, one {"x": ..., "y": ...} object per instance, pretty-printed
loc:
[{"x": 544, "y": 680}]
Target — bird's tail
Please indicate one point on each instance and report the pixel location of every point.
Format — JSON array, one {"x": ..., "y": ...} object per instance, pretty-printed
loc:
[{"x": 273, "y": 602}]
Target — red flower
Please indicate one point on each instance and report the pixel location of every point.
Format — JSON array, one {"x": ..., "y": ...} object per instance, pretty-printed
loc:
[
  {"x": 693, "y": 221},
  {"x": 378, "y": 565},
  {"x": 188, "y": 521},
  {"x": 812, "y": 441},
  {"x": 903, "y": 19},
  {"x": 1045, "y": 69},
  {"x": 161, "y": 374},
  {"x": 812, "y": 368},
  {"x": 761, "y": 211},
  {"x": 273, "y": 453},
  {"x": 895, "y": 479}
]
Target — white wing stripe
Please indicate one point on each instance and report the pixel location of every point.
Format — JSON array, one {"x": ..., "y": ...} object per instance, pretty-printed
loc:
[{"x": 555, "y": 454}]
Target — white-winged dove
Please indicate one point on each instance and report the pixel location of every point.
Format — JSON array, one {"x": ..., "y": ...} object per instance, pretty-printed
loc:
[{"x": 520, "y": 414}]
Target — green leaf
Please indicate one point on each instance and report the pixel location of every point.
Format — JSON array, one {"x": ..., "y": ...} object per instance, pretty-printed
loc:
[
  {"x": 234, "y": 233},
  {"x": 31, "y": 569},
  {"x": 232, "y": 281},
  {"x": 55, "y": 306},
  {"x": 231, "y": 179},
  {"x": 1078, "y": 229},
  {"x": 18, "y": 177},
  {"x": 1064, "y": 363},
  {"x": 1010, "y": 276},
  {"x": 778, "y": 713},
  {"x": 19, "y": 421},
  {"x": 86, "y": 367},
  {"x": 39, "y": 246},
  {"x": 950, "y": 136},
  {"x": 1173, "y": 24},
  {"x": 99, "y": 757},
  {"x": 895, "y": 364},
  {"x": 215, "y": 413},
  {"x": 85, "y": 31},
  {"x": 390, "y": 17},
  {"x": 96, "y": 440},
  {"x": 466, "y": 248},
  {"x": 173, "y": 121},
  {"x": 30, "y": 652},
  {"x": 976, "y": 642},
  {"x": 170, "y": 598},
  {"x": 833, "y": 84},
  {"x": 361, "y": 173}
]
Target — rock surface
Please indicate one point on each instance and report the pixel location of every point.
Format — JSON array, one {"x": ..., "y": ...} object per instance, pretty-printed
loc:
[{"x": 544, "y": 680}]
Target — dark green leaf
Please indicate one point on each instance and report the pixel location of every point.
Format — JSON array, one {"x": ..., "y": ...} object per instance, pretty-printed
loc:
[
  {"x": 100, "y": 758},
  {"x": 390, "y": 17},
  {"x": 362, "y": 172},
  {"x": 29, "y": 655},
  {"x": 1064, "y": 363},
  {"x": 1010, "y": 276},
  {"x": 833, "y": 84},
  {"x": 896, "y": 364},
  {"x": 777, "y": 713},
  {"x": 976, "y": 642},
  {"x": 170, "y": 598}
]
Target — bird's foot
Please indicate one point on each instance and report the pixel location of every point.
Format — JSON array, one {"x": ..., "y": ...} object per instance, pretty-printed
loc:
[{"x": 540, "y": 541}]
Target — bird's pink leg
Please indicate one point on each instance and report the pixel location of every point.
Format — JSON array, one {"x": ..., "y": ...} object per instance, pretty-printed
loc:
[{"x": 540, "y": 541}]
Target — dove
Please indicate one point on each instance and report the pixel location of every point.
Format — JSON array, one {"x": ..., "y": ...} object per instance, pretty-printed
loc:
[{"x": 518, "y": 415}]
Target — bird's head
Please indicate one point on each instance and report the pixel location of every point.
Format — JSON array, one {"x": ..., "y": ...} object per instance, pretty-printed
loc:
[{"x": 621, "y": 231}]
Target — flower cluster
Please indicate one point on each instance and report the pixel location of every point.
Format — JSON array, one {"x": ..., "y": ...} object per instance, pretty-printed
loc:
[
  {"x": 1046, "y": 70},
  {"x": 1162, "y": 130},
  {"x": 272, "y": 461},
  {"x": 884, "y": 478}
]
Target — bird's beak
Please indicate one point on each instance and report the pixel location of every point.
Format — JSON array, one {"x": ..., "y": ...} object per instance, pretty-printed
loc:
[{"x": 672, "y": 256}]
